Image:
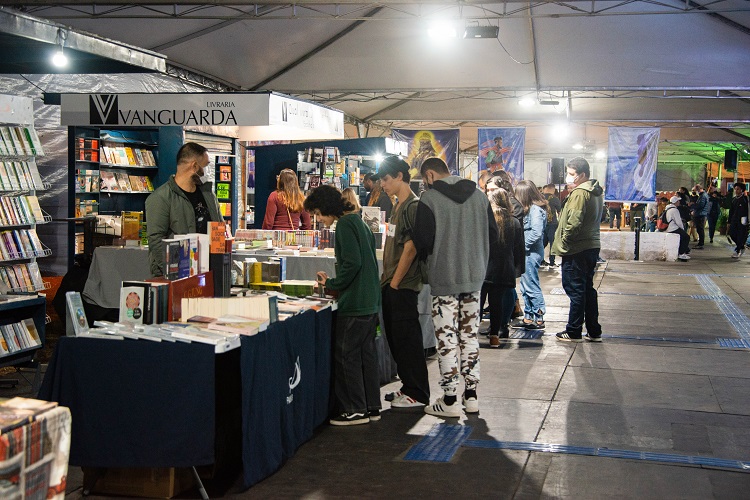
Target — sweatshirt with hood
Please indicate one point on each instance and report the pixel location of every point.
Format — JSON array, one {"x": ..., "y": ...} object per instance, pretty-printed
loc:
[
  {"x": 452, "y": 232},
  {"x": 580, "y": 220}
]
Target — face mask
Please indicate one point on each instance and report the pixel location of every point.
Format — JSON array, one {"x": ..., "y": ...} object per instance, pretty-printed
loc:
[{"x": 570, "y": 179}]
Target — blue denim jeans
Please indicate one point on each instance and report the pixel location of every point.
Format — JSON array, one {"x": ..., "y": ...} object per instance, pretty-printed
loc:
[
  {"x": 578, "y": 281},
  {"x": 533, "y": 300}
]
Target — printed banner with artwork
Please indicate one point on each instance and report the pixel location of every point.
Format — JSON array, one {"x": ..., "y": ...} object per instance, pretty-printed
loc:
[
  {"x": 502, "y": 149},
  {"x": 425, "y": 144},
  {"x": 631, "y": 164}
]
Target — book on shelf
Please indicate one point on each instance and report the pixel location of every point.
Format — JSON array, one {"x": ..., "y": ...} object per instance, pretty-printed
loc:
[
  {"x": 22, "y": 277},
  {"x": 371, "y": 218},
  {"x": 123, "y": 181},
  {"x": 241, "y": 325},
  {"x": 76, "y": 322},
  {"x": 109, "y": 181},
  {"x": 19, "y": 336}
]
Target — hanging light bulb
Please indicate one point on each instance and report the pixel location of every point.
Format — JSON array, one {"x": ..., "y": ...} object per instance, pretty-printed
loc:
[{"x": 59, "y": 59}]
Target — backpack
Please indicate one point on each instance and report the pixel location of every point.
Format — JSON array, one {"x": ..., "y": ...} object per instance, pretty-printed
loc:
[{"x": 662, "y": 224}]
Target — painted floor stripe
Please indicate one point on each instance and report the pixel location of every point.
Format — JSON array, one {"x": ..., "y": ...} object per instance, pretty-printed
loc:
[
  {"x": 733, "y": 314},
  {"x": 611, "y": 453},
  {"x": 440, "y": 443}
]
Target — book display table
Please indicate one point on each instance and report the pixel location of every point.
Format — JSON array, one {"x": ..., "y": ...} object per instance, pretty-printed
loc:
[
  {"x": 34, "y": 456},
  {"x": 137, "y": 403}
]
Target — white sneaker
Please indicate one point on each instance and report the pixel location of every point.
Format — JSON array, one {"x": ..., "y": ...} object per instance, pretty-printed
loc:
[
  {"x": 440, "y": 409},
  {"x": 735, "y": 255},
  {"x": 471, "y": 405},
  {"x": 684, "y": 256},
  {"x": 404, "y": 401}
]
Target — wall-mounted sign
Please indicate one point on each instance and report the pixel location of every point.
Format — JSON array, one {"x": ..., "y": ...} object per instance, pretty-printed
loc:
[{"x": 257, "y": 116}]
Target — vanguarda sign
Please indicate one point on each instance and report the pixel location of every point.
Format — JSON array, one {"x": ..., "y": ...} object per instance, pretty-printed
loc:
[{"x": 183, "y": 110}]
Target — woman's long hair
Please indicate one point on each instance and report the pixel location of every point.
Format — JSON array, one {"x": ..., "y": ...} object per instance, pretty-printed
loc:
[
  {"x": 527, "y": 194},
  {"x": 289, "y": 192},
  {"x": 502, "y": 210},
  {"x": 349, "y": 195}
]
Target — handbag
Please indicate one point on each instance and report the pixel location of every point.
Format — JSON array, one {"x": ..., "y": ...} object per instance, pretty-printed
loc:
[{"x": 291, "y": 223}]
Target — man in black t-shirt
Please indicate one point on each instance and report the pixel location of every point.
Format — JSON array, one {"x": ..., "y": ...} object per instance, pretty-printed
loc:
[{"x": 184, "y": 204}]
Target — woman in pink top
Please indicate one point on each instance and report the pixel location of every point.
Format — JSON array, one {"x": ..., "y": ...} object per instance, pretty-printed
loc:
[{"x": 284, "y": 209}]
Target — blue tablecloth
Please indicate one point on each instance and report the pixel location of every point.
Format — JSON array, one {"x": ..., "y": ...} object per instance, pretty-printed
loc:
[
  {"x": 286, "y": 375},
  {"x": 136, "y": 403}
]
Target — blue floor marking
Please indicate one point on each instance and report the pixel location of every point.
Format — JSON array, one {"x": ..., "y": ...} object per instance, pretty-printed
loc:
[
  {"x": 733, "y": 314},
  {"x": 440, "y": 443},
  {"x": 660, "y": 339},
  {"x": 647, "y": 456},
  {"x": 528, "y": 335}
]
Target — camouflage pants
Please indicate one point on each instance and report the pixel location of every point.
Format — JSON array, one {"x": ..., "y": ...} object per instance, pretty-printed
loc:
[{"x": 456, "y": 320}]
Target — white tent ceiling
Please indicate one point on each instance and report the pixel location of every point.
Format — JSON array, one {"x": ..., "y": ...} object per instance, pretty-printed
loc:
[{"x": 679, "y": 65}]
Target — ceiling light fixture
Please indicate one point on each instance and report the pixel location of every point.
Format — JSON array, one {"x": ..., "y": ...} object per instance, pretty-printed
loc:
[
  {"x": 577, "y": 146},
  {"x": 600, "y": 155},
  {"x": 526, "y": 102},
  {"x": 442, "y": 30},
  {"x": 481, "y": 32},
  {"x": 59, "y": 59},
  {"x": 560, "y": 131},
  {"x": 549, "y": 103}
]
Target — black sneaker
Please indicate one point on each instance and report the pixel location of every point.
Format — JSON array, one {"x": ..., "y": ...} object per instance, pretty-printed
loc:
[
  {"x": 698, "y": 247},
  {"x": 593, "y": 338},
  {"x": 566, "y": 337},
  {"x": 374, "y": 415},
  {"x": 519, "y": 323},
  {"x": 536, "y": 325},
  {"x": 350, "y": 419}
]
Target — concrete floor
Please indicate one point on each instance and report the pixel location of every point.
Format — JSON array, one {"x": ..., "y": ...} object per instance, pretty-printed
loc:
[{"x": 660, "y": 382}]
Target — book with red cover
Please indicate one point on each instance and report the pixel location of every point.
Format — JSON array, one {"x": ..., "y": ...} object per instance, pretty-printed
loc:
[{"x": 199, "y": 285}]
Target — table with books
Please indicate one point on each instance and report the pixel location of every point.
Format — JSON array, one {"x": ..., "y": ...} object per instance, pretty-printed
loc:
[
  {"x": 145, "y": 403},
  {"x": 34, "y": 447}
]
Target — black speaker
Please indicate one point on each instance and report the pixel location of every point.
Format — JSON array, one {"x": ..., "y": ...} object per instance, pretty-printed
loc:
[
  {"x": 557, "y": 171},
  {"x": 730, "y": 160}
]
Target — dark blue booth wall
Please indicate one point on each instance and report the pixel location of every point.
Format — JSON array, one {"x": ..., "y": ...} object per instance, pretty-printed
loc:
[{"x": 270, "y": 160}]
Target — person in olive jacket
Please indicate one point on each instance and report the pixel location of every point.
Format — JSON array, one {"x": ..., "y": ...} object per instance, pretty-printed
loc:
[
  {"x": 577, "y": 241},
  {"x": 357, "y": 282},
  {"x": 182, "y": 205}
]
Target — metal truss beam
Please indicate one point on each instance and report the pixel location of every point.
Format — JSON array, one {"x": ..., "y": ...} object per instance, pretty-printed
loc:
[
  {"x": 392, "y": 10},
  {"x": 195, "y": 77}
]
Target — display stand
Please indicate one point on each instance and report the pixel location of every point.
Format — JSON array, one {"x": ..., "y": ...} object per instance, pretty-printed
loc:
[
  {"x": 19, "y": 215},
  {"x": 227, "y": 182},
  {"x": 110, "y": 171}
]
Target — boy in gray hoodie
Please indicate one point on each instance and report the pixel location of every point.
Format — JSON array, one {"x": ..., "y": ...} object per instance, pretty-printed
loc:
[{"x": 452, "y": 232}]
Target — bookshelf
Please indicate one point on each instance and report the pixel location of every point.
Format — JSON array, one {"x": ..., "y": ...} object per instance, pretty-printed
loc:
[
  {"x": 226, "y": 184},
  {"x": 111, "y": 170},
  {"x": 20, "y": 246}
]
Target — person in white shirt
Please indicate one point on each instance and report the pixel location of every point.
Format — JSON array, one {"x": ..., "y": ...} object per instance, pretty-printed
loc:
[{"x": 676, "y": 227}]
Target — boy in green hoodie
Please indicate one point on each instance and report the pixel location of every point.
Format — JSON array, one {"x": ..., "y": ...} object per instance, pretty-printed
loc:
[{"x": 357, "y": 282}]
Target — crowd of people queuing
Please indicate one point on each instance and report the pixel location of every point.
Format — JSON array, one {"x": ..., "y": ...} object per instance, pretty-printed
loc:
[{"x": 505, "y": 229}]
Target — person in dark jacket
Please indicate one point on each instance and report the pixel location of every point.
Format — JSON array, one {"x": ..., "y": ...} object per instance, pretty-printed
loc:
[
  {"x": 357, "y": 282},
  {"x": 738, "y": 220},
  {"x": 500, "y": 281},
  {"x": 700, "y": 212},
  {"x": 503, "y": 180},
  {"x": 714, "y": 210}
]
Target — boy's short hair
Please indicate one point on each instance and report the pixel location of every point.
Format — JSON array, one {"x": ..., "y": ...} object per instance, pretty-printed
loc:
[
  {"x": 392, "y": 166},
  {"x": 434, "y": 164}
]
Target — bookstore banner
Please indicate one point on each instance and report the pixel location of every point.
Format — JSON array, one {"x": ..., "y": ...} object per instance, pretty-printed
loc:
[
  {"x": 425, "y": 144},
  {"x": 502, "y": 149},
  {"x": 631, "y": 164}
]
